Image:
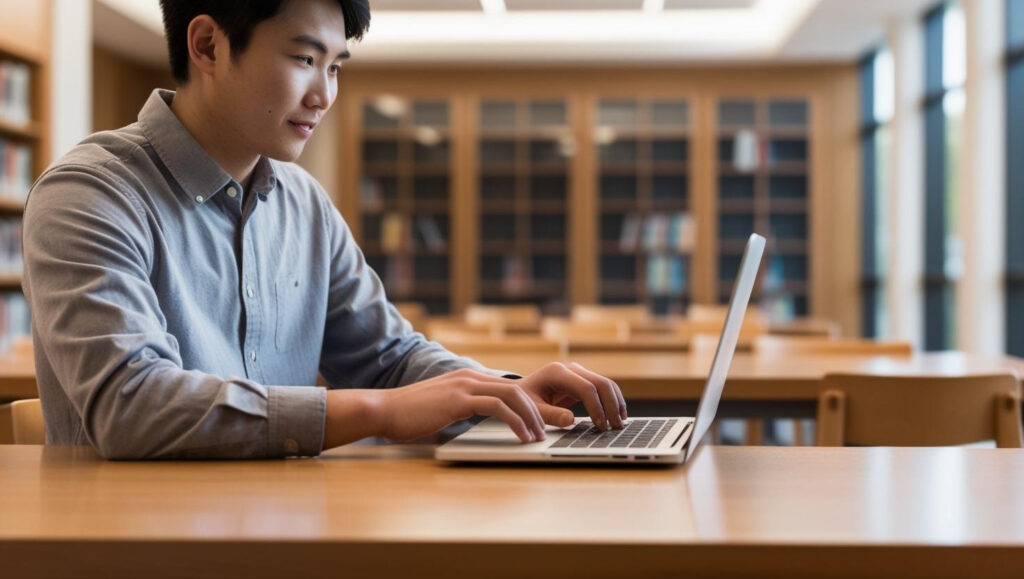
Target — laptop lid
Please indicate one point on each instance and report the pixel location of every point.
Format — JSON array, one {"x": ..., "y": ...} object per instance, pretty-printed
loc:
[{"x": 741, "y": 291}]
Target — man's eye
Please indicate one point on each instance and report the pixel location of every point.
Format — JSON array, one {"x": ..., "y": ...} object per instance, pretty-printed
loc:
[
  {"x": 307, "y": 60},
  {"x": 335, "y": 68}
]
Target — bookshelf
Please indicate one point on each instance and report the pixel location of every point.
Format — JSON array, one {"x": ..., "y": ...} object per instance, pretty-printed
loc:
[
  {"x": 24, "y": 144},
  {"x": 646, "y": 142},
  {"x": 646, "y": 226},
  {"x": 524, "y": 150},
  {"x": 763, "y": 173},
  {"x": 406, "y": 197}
]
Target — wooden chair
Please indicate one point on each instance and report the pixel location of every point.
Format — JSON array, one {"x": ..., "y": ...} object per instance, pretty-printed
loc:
[
  {"x": 563, "y": 330},
  {"x": 778, "y": 346},
  {"x": 27, "y": 422},
  {"x": 634, "y": 315},
  {"x": 514, "y": 318},
  {"x": 750, "y": 330},
  {"x": 717, "y": 312},
  {"x": 871, "y": 410}
]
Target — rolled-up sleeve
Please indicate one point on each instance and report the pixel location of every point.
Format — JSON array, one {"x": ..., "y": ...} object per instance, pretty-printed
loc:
[{"x": 88, "y": 248}]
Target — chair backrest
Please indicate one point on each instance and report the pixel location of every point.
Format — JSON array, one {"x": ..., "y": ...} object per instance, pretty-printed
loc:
[
  {"x": 27, "y": 422},
  {"x": 774, "y": 346},
  {"x": 520, "y": 318},
  {"x": 690, "y": 329},
  {"x": 563, "y": 330},
  {"x": 717, "y": 312},
  {"x": 873, "y": 410},
  {"x": 634, "y": 315}
]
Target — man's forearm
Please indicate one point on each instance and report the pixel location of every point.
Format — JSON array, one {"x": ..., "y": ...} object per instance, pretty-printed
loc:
[{"x": 351, "y": 415}]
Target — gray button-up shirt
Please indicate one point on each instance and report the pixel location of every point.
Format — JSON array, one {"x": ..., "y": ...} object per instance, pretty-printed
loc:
[{"x": 175, "y": 316}]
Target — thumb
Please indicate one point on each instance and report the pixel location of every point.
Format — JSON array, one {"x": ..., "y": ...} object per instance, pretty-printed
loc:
[{"x": 555, "y": 416}]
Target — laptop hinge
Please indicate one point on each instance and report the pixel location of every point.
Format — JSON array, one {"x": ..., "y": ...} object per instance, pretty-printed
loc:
[{"x": 686, "y": 429}]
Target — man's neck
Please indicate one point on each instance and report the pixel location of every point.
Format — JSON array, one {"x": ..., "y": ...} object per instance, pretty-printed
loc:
[{"x": 208, "y": 130}]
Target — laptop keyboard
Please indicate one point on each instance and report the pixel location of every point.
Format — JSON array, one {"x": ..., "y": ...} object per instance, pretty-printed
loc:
[{"x": 638, "y": 433}]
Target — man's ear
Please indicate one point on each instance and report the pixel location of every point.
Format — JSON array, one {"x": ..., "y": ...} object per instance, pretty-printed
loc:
[{"x": 205, "y": 40}]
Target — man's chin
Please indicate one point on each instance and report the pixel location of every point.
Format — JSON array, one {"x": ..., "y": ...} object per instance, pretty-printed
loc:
[{"x": 286, "y": 154}]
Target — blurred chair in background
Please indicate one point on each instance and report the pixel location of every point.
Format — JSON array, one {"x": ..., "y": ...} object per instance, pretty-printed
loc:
[{"x": 514, "y": 318}]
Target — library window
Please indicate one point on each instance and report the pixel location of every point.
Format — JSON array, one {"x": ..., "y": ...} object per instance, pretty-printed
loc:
[
  {"x": 877, "y": 103},
  {"x": 944, "y": 103},
  {"x": 1015, "y": 177}
]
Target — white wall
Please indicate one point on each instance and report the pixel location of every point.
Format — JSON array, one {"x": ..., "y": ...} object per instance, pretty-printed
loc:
[{"x": 71, "y": 74}]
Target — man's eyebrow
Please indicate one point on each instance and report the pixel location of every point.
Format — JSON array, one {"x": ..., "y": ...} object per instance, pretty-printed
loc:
[{"x": 318, "y": 45}]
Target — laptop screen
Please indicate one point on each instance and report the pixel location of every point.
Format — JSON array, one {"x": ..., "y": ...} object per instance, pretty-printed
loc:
[{"x": 727, "y": 343}]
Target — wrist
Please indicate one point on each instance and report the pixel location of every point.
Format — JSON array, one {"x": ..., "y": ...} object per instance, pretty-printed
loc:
[{"x": 352, "y": 415}]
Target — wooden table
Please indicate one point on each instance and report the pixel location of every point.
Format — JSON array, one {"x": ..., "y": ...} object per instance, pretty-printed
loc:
[{"x": 364, "y": 511}]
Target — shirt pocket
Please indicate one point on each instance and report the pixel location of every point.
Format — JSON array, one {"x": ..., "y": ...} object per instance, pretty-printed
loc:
[{"x": 293, "y": 324}]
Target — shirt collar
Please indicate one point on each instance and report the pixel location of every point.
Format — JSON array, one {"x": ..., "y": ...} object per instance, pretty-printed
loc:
[{"x": 192, "y": 167}]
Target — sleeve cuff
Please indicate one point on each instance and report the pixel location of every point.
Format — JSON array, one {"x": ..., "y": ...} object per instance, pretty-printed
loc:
[{"x": 297, "y": 415}]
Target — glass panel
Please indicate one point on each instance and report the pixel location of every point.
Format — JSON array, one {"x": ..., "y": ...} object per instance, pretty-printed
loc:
[
  {"x": 611, "y": 226},
  {"x": 498, "y": 115},
  {"x": 380, "y": 151},
  {"x": 787, "y": 113},
  {"x": 492, "y": 267},
  {"x": 498, "y": 227},
  {"x": 620, "y": 151},
  {"x": 670, "y": 114},
  {"x": 373, "y": 118},
  {"x": 1015, "y": 23},
  {"x": 787, "y": 187},
  {"x": 735, "y": 226},
  {"x": 545, "y": 151},
  {"x": 430, "y": 114},
  {"x": 547, "y": 113},
  {"x": 782, "y": 150},
  {"x": 553, "y": 187},
  {"x": 430, "y": 188},
  {"x": 736, "y": 113},
  {"x": 618, "y": 187},
  {"x": 933, "y": 50},
  {"x": 618, "y": 113},
  {"x": 497, "y": 151},
  {"x": 789, "y": 226},
  {"x": 669, "y": 187},
  {"x": 547, "y": 226},
  {"x": 431, "y": 153},
  {"x": 670, "y": 149},
  {"x": 954, "y": 46},
  {"x": 497, "y": 187},
  {"x": 549, "y": 268},
  {"x": 431, "y": 267},
  {"x": 618, "y": 267},
  {"x": 736, "y": 187}
]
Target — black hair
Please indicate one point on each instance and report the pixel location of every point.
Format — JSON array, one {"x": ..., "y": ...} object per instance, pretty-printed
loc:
[{"x": 238, "y": 18}]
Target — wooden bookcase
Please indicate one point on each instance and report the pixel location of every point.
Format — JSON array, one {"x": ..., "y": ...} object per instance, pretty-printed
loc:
[
  {"x": 547, "y": 167},
  {"x": 523, "y": 158},
  {"x": 406, "y": 197},
  {"x": 642, "y": 149},
  {"x": 763, "y": 172},
  {"x": 25, "y": 43}
]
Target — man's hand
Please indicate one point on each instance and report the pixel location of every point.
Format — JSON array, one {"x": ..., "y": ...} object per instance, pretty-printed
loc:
[{"x": 426, "y": 407}]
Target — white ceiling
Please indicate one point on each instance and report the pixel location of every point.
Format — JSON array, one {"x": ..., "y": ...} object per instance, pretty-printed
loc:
[{"x": 575, "y": 31}]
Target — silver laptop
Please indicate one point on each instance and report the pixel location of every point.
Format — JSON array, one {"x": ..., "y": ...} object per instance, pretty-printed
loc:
[{"x": 670, "y": 440}]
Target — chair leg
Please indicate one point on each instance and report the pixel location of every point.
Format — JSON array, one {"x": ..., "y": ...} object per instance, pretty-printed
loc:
[
  {"x": 831, "y": 418},
  {"x": 754, "y": 435},
  {"x": 798, "y": 432},
  {"x": 1008, "y": 421}
]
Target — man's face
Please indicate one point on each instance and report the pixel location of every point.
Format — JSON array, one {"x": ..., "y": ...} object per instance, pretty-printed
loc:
[{"x": 279, "y": 88}]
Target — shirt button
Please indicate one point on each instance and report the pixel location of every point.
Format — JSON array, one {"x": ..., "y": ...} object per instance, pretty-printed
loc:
[
  {"x": 232, "y": 192},
  {"x": 291, "y": 447},
  {"x": 249, "y": 291},
  {"x": 252, "y": 355},
  {"x": 199, "y": 198}
]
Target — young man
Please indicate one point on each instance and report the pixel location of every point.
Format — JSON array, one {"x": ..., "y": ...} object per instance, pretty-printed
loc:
[{"x": 187, "y": 282}]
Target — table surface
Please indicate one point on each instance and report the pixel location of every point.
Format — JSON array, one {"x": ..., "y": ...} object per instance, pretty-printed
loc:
[
  {"x": 680, "y": 375},
  {"x": 380, "y": 509}
]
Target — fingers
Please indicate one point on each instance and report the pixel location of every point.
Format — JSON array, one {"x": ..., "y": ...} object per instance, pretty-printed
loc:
[
  {"x": 514, "y": 397},
  {"x": 588, "y": 393},
  {"x": 492, "y": 406},
  {"x": 607, "y": 388}
]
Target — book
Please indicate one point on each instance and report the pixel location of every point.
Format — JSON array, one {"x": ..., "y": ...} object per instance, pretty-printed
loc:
[
  {"x": 630, "y": 232},
  {"x": 430, "y": 232},
  {"x": 394, "y": 234}
]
